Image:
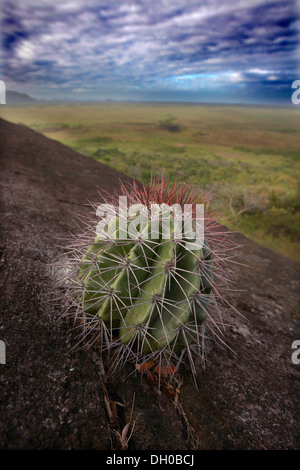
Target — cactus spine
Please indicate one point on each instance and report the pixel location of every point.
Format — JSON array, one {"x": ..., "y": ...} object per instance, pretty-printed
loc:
[{"x": 149, "y": 296}]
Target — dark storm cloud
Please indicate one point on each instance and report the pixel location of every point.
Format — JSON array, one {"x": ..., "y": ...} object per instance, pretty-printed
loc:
[{"x": 177, "y": 50}]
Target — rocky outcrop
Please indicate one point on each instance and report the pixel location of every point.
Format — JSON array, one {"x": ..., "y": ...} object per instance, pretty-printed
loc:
[{"x": 54, "y": 395}]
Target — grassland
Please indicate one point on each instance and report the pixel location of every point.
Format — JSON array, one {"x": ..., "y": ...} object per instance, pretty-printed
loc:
[{"x": 247, "y": 158}]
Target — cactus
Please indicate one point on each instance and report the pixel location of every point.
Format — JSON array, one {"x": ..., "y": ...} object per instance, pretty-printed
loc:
[{"x": 150, "y": 296}]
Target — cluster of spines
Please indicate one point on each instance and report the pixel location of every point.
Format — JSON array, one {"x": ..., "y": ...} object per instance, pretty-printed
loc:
[
  {"x": 149, "y": 298},
  {"x": 157, "y": 290}
]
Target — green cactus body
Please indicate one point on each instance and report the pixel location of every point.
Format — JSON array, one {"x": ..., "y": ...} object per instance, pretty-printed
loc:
[{"x": 151, "y": 295}]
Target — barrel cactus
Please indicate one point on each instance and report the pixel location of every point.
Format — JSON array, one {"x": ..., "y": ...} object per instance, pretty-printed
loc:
[{"x": 151, "y": 293}]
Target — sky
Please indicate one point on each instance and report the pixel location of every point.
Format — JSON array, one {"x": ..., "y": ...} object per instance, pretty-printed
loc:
[{"x": 231, "y": 51}]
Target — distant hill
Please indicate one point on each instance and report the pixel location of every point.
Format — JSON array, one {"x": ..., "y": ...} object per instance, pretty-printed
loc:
[{"x": 14, "y": 97}]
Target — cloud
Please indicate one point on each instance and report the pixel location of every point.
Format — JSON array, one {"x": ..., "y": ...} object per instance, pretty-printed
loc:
[
  {"x": 258, "y": 71},
  {"x": 118, "y": 47}
]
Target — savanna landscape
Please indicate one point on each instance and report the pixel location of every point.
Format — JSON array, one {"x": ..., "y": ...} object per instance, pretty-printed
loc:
[
  {"x": 246, "y": 158},
  {"x": 58, "y": 393},
  {"x": 133, "y": 344}
]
